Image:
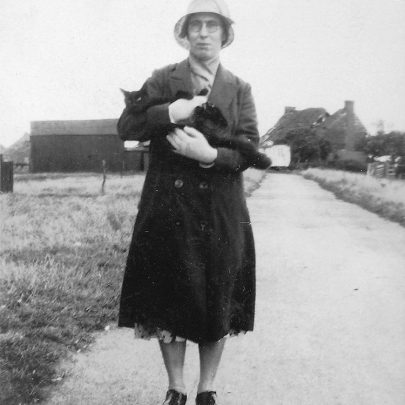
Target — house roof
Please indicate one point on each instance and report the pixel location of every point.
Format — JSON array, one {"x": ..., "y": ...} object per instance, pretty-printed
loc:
[
  {"x": 338, "y": 120},
  {"x": 75, "y": 127},
  {"x": 314, "y": 117},
  {"x": 293, "y": 119}
]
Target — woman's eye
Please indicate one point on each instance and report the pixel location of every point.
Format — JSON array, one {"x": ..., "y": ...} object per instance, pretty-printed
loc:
[
  {"x": 212, "y": 25},
  {"x": 195, "y": 25}
]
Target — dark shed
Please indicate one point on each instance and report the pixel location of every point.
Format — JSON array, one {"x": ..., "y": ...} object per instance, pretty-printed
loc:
[{"x": 79, "y": 145}]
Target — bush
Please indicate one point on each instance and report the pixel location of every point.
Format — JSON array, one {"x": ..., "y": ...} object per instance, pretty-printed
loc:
[{"x": 350, "y": 165}]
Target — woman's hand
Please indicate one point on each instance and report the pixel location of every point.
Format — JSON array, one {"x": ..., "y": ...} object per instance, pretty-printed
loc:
[
  {"x": 182, "y": 108},
  {"x": 192, "y": 144}
]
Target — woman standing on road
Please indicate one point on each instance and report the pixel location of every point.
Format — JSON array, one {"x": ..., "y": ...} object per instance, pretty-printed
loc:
[{"x": 190, "y": 272}]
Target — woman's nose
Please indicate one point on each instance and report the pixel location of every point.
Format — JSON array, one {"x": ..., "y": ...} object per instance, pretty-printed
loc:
[{"x": 203, "y": 30}]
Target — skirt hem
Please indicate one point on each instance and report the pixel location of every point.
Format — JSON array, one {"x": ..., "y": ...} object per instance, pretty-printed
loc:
[{"x": 166, "y": 336}]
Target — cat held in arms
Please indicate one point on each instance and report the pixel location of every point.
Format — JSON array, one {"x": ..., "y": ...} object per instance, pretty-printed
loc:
[{"x": 206, "y": 118}]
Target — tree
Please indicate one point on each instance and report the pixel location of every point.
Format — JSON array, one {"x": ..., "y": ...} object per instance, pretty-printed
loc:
[
  {"x": 392, "y": 144},
  {"x": 307, "y": 146}
]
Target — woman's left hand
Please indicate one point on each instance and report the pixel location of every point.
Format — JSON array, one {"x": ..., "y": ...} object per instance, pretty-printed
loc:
[{"x": 192, "y": 144}]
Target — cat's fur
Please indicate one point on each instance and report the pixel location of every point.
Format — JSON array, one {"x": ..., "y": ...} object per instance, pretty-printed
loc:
[{"x": 206, "y": 118}]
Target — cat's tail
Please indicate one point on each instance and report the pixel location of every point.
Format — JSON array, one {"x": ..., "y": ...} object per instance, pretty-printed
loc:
[{"x": 261, "y": 161}]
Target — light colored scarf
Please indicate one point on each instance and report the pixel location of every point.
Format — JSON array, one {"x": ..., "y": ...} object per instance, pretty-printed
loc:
[{"x": 203, "y": 73}]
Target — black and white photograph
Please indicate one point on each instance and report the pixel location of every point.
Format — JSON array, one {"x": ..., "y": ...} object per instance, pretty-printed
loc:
[{"x": 202, "y": 202}]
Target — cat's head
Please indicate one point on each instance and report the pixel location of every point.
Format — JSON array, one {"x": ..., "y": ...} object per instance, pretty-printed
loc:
[{"x": 132, "y": 97}]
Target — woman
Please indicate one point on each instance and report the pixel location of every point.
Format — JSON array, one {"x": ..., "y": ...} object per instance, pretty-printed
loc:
[{"x": 190, "y": 272}]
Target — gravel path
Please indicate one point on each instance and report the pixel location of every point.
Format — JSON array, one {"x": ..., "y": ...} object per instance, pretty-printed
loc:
[{"x": 330, "y": 325}]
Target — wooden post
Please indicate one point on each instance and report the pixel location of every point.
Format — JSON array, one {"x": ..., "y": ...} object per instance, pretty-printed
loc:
[
  {"x": 104, "y": 166},
  {"x": 6, "y": 176},
  {"x": 390, "y": 171}
]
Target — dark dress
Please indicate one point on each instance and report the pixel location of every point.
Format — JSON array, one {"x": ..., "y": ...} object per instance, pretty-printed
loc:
[{"x": 191, "y": 263}]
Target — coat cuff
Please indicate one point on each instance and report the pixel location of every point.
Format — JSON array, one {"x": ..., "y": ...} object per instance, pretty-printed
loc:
[{"x": 229, "y": 159}]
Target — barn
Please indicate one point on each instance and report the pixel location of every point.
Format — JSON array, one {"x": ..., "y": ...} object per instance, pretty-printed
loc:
[{"x": 80, "y": 145}]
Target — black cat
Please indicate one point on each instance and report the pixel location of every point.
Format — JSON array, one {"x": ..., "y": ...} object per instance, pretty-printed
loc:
[{"x": 206, "y": 118}]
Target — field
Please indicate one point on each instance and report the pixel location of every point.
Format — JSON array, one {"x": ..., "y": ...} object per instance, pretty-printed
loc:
[
  {"x": 63, "y": 247},
  {"x": 383, "y": 196}
]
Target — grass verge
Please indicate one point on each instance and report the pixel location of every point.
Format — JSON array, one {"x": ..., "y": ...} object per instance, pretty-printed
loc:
[
  {"x": 382, "y": 196},
  {"x": 63, "y": 249}
]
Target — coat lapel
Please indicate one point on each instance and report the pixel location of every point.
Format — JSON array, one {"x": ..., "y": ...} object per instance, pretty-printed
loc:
[
  {"x": 180, "y": 79},
  {"x": 223, "y": 91}
]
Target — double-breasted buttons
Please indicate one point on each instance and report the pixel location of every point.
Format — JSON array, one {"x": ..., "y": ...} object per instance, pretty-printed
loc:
[
  {"x": 203, "y": 225},
  {"x": 178, "y": 183},
  {"x": 203, "y": 185}
]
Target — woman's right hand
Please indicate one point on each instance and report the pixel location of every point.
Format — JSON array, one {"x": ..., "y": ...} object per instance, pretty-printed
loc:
[{"x": 182, "y": 109}]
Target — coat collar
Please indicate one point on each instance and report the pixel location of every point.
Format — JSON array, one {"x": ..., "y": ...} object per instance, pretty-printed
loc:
[{"x": 223, "y": 90}]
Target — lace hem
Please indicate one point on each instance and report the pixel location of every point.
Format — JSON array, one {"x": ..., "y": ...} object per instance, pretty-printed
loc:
[{"x": 165, "y": 336}]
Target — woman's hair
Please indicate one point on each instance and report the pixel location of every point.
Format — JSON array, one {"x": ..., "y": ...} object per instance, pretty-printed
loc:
[{"x": 224, "y": 23}]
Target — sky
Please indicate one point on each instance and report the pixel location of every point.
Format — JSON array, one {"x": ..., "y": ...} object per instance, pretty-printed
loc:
[{"x": 64, "y": 59}]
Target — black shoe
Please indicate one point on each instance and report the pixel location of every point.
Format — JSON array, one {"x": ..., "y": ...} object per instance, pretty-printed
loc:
[
  {"x": 174, "y": 397},
  {"x": 206, "y": 398}
]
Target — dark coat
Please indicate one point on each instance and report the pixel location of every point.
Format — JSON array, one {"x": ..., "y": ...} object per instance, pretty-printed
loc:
[{"x": 191, "y": 263}]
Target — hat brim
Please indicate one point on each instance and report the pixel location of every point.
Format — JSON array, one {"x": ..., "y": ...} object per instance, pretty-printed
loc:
[{"x": 183, "y": 41}]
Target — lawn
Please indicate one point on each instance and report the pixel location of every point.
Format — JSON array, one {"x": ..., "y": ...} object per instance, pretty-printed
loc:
[
  {"x": 385, "y": 197},
  {"x": 63, "y": 247}
]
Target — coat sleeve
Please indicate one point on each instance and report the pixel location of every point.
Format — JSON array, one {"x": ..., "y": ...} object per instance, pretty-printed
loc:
[
  {"x": 231, "y": 159},
  {"x": 142, "y": 126}
]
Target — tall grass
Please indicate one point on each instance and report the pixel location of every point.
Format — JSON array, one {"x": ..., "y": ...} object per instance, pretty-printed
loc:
[
  {"x": 385, "y": 197},
  {"x": 62, "y": 252},
  {"x": 62, "y": 247}
]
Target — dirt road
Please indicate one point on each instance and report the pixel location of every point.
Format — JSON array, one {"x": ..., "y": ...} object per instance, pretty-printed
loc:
[{"x": 330, "y": 326}]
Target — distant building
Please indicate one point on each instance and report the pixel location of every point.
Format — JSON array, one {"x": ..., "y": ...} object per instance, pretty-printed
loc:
[
  {"x": 343, "y": 129},
  {"x": 292, "y": 119},
  {"x": 79, "y": 145}
]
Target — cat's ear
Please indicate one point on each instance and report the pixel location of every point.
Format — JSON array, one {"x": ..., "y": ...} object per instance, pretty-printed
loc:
[{"x": 124, "y": 92}]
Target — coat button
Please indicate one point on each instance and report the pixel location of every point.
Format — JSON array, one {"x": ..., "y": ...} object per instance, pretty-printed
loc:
[
  {"x": 203, "y": 225},
  {"x": 203, "y": 185},
  {"x": 178, "y": 183}
]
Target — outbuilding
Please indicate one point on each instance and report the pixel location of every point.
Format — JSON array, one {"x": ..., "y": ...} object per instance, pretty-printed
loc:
[{"x": 80, "y": 145}]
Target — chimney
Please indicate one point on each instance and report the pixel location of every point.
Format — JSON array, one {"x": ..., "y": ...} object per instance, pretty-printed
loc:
[
  {"x": 289, "y": 110},
  {"x": 349, "y": 106}
]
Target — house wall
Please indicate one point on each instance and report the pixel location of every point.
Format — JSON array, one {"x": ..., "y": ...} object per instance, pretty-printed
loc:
[{"x": 71, "y": 153}]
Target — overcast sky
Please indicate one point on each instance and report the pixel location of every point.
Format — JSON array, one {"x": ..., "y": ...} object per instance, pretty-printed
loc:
[{"x": 67, "y": 59}]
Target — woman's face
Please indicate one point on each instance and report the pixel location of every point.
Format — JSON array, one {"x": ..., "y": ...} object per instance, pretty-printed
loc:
[{"x": 205, "y": 34}]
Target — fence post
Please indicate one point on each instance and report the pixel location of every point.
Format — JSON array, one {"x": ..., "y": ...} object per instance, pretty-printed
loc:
[
  {"x": 104, "y": 167},
  {"x": 6, "y": 176}
]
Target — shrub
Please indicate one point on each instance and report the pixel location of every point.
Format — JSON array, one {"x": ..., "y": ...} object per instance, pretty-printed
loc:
[{"x": 350, "y": 165}]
